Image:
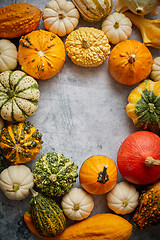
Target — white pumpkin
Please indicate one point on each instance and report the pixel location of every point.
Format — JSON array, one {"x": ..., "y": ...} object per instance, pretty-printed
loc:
[
  {"x": 123, "y": 198},
  {"x": 15, "y": 182},
  {"x": 117, "y": 27},
  {"x": 155, "y": 72},
  {"x": 77, "y": 204},
  {"x": 60, "y": 17},
  {"x": 8, "y": 55}
]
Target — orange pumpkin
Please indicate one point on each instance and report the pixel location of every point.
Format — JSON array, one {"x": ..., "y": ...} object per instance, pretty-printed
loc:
[
  {"x": 98, "y": 174},
  {"x": 41, "y": 54},
  {"x": 130, "y": 62}
]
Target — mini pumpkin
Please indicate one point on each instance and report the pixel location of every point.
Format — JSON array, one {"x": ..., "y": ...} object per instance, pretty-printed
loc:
[
  {"x": 126, "y": 61},
  {"x": 98, "y": 174},
  {"x": 20, "y": 143},
  {"x": 155, "y": 73},
  {"x": 87, "y": 47},
  {"x": 60, "y": 17},
  {"x": 144, "y": 105},
  {"x": 8, "y": 55},
  {"x": 41, "y": 54},
  {"x": 94, "y": 10},
  {"x": 117, "y": 27},
  {"x": 15, "y": 182},
  {"x": 77, "y": 204},
  {"x": 19, "y": 95},
  {"x": 123, "y": 198}
]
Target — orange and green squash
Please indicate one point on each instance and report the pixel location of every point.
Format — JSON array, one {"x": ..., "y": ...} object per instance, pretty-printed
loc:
[
  {"x": 20, "y": 143},
  {"x": 130, "y": 62},
  {"x": 41, "y": 54},
  {"x": 144, "y": 105},
  {"x": 98, "y": 174},
  {"x": 18, "y": 19},
  {"x": 48, "y": 218}
]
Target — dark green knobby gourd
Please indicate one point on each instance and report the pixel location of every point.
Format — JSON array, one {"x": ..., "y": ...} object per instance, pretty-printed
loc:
[
  {"x": 54, "y": 174},
  {"x": 48, "y": 218}
]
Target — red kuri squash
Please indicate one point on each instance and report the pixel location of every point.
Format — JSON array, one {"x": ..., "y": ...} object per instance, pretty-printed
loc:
[{"x": 138, "y": 157}]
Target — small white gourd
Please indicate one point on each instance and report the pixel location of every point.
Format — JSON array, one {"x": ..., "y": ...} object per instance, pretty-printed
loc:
[
  {"x": 155, "y": 72},
  {"x": 15, "y": 182},
  {"x": 117, "y": 27},
  {"x": 60, "y": 17},
  {"x": 8, "y": 55},
  {"x": 123, "y": 198},
  {"x": 77, "y": 204}
]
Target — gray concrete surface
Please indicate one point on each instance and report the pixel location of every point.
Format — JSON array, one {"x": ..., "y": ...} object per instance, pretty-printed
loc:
[{"x": 81, "y": 113}]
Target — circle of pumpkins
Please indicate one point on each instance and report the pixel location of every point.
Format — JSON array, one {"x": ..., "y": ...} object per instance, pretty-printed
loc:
[{"x": 41, "y": 55}]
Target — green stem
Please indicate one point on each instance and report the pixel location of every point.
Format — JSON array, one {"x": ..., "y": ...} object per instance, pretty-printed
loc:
[{"x": 34, "y": 193}]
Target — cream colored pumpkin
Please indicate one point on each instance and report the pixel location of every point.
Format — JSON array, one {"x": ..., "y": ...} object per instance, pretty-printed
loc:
[
  {"x": 123, "y": 198},
  {"x": 155, "y": 72},
  {"x": 19, "y": 95},
  {"x": 8, "y": 55},
  {"x": 77, "y": 204},
  {"x": 60, "y": 17},
  {"x": 117, "y": 27},
  {"x": 15, "y": 182}
]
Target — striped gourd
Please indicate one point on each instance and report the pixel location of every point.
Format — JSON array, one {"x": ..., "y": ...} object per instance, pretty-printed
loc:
[
  {"x": 48, "y": 218},
  {"x": 54, "y": 174},
  {"x": 94, "y": 10},
  {"x": 20, "y": 142},
  {"x": 144, "y": 105},
  {"x": 19, "y": 95}
]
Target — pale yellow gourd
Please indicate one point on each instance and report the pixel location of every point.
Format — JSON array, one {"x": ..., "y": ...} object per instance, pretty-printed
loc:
[
  {"x": 15, "y": 182},
  {"x": 123, "y": 198},
  {"x": 60, "y": 17},
  {"x": 155, "y": 72},
  {"x": 8, "y": 55},
  {"x": 140, "y": 7},
  {"x": 117, "y": 27},
  {"x": 77, "y": 204}
]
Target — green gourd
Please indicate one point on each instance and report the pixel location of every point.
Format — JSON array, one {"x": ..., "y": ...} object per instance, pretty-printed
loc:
[
  {"x": 54, "y": 174},
  {"x": 48, "y": 217}
]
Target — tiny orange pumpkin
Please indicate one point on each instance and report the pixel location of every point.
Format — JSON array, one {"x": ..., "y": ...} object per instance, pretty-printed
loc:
[
  {"x": 98, "y": 174},
  {"x": 41, "y": 54},
  {"x": 130, "y": 62}
]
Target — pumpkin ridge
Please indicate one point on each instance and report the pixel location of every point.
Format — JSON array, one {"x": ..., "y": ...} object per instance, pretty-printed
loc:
[
  {"x": 10, "y": 72},
  {"x": 23, "y": 112},
  {"x": 19, "y": 80}
]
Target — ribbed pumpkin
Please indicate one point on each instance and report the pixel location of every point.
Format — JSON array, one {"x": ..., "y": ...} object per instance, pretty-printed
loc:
[
  {"x": 98, "y": 174},
  {"x": 54, "y": 174},
  {"x": 48, "y": 218},
  {"x": 130, "y": 62},
  {"x": 18, "y": 19},
  {"x": 144, "y": 105},
  {"x": 20, "y": 143},
  {"x": 19, "y": 95},
  {"x": 94, "y": 10},
  {"x": 41, "y": 54}
]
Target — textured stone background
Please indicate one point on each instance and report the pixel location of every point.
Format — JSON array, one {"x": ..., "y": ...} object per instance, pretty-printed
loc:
[{"x": 81, "y": 113}]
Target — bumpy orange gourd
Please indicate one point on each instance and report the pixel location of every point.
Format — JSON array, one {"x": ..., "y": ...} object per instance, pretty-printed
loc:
[
  {"x": 18, "y": 19},
  {"x": 99, "y": 227},
  {"x": 130, "y": 62},
  {"x": 41, "y": 54},
  {"x": 98, "y": 174}
]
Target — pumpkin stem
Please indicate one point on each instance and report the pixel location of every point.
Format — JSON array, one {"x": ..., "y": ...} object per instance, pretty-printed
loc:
[
  {"x": 76, "y": 207},
  {"x": 61, "y": 16},
  {"x": 151, "y": 107},
  {"x": 103, "y": 176},
  {"x": 150, "y": 161},
  {"x": 116, "y": 25},
  {"x": 10, "y": 94},
  {"x": 85, "y": 44},
  {"x": 132, "y": 58},
  {"x": 124, "y": 203},
  {"x": 15, "y": 188},
  {"x": 34, "y": 193},
  {"x": 53, "y": 177}
]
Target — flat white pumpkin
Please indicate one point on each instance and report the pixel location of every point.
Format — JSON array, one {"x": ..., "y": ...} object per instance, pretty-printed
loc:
[
  {"x": 8, "y": 55},
  {"x": 60, "y": 17},
  {"x": 155, "y": 72},
  {"x": 15, "y": 182},
  {"x": 117, "y": 27},
  {"x": 123, "y": 198},
  {"x": 19, "y": 95},
  {"x": 77, "y": 204}
]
